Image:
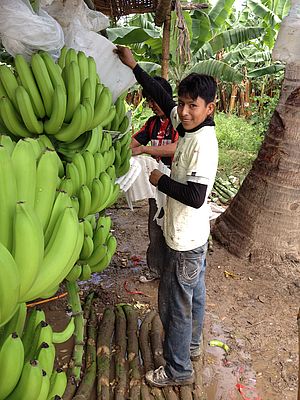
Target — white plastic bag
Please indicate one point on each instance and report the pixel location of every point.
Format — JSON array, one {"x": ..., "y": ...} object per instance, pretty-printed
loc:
[
  {"x": 80, "y": 25},
  {"x": 24, "y": 32},
  {"x": 287, "y": 46},
  {"x": 67, "y": 11}
]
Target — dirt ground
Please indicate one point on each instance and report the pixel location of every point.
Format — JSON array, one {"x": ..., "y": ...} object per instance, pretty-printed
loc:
[{"x": 252, "y": 308}]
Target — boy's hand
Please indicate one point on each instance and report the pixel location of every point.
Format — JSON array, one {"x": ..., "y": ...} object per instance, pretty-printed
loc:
[
  {"x": 136, "y": 151},
  {"x": 126, "y": 56},
  {"x": 155, "y": 177}
]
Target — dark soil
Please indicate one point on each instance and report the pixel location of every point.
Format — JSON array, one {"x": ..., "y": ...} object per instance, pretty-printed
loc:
[{"x": 252, "y": 308}]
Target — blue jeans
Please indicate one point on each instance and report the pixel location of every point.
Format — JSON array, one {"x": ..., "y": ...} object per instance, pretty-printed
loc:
[{"x": 181, "y": 302}]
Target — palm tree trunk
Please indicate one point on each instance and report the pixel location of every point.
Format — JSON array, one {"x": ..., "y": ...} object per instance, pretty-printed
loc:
[{"x": 263, "y": 220}]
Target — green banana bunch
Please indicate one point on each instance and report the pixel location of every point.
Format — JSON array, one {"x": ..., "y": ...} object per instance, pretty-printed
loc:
[
  {"x": 111, "y": 245},
  {"x": 29, "y": 384},
  {"x": 123, "y": 154},
  {"x": 11, "y": 364}
]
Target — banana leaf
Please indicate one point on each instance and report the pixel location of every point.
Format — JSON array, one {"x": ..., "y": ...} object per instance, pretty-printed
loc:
[
  {"x": 218, "y": 70},
  {"x": 269, "y": 70},
  {"x": 234, "y": 37}
]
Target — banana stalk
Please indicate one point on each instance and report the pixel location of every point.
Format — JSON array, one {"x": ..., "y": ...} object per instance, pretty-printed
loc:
[
  {"x": 86, "y": 386},
  {"x": 120, "y": 371},
  {"x": 105, "y": 333},
  {"x": 76, "y": 361},
  {"x": 133, "y": 353}
]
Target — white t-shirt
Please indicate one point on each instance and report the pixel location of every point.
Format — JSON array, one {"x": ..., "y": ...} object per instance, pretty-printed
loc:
[{"x": 195, "y": 160}]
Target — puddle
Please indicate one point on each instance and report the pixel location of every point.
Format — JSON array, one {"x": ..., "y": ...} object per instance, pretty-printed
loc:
[{"x": 227, "y": 376}]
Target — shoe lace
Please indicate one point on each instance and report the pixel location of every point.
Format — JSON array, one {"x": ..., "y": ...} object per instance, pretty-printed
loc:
[{"x": 160, "y": 373}]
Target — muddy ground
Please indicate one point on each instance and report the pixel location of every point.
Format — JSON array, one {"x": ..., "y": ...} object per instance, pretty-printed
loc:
[{"x": 252, "y": 308}]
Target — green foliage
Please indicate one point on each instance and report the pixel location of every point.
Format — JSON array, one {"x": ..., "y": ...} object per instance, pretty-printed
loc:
[
  {"x": 262, "y": 113},
  {"x": 140, "y": 115},
  {"x": 239, "y": 143}
]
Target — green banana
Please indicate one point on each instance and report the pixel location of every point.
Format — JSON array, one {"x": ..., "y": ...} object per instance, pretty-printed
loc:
[
  {"x": 46, "y": 183},
  {"x": 89, "y": 112},
  {"x": 55, "y": 122},
  {"x": 89, "y": 167},
  {"x": 102, "y": 231},
  {"x": 88, "y": 229},
  {"x": 27, "y": 113},
  {"x": 28, "y": 246},
  {"x": 27, "y": 80},
  {"x": 30, "y": 382},
  {"x": 93, "y": 78},
  {"x": 102, "y": 107},
  {"x": 24, "y": 168},
  {"x": 60, "y": 254},
  {"x": 53, "y": 70},
  {"x": 45, "y": 336},
  {"x": 114, "y": 195},
  {"x": 46, "y": 357},
  {"x": 7, "y": 142},
  {"x": 11, "y": 364},
  {"x": 45, "y": 143},
  {"x": 99, "y": 88},
  {"x": 8, "y": 197},
  {"x": 115, "y": 122},
  {"x": 62, "y": 57},
  {"x": 99, "y": 164},
  {"x": 102, "y": 264},
  {"x": 87, "y": 248},
  {"x": 112, "y": 173},
  {"x": 70, "y": 132},
  {"x": 96, "y": 195},
  {"x": 71, "y": 56},
  {"x": 79, "y": 162},
  {"x": 73, "y": 89},
  {"x": 83, "y": 67},
  {"x": 44, "y": 387},
  {"x": 107, "y": 189},
  {"x": 11, "y": 118},
  {"x": 15, "y": 324},
  {"x": 97, "y": 255},
  {"x": 92, "y": 220},
  {"x": 111, "y": 245},
  {"x": 58, "y": 383},
  {"x": 74, "y": 274},
  {"x": 73, "y": 174},
  {"x": 84, "y": 197},
  {"x": 66, "y": 185},
  {"x": 85, "y": 273},
  {"x": 62, "y": 201},
  {"x": 43, "y": 80},
  {"x": 33, "y": 320},
  {"x": 31, "y": 348},
  {"x": 35, "y": 147},
  {"x": 9, "y": 82},
  {"x": 66, "y": 334},
  {"x": 124, "y": 124},
  {"x": 110, "y": 116},
  {"x": 75, "y": 203}
]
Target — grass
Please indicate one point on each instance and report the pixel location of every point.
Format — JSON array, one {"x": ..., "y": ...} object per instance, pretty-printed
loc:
[{"x": 239, "y": 143}]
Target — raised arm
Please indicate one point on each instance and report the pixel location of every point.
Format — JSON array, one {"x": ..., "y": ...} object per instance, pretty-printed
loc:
[{"x": 151, "y": 86}]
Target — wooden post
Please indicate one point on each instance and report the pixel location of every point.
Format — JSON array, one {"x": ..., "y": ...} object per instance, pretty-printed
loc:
[{"x": 166, "y": 45}]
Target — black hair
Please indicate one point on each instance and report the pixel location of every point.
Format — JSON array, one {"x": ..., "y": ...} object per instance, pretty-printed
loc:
[
  {"x": 164, "y": 83},
  {"x": 198, "y": 85}
]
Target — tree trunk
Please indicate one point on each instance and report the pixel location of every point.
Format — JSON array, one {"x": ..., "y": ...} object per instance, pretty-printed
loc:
[
  {"x": 263, "y": 220},
  {"x": 166, "y": 45}
]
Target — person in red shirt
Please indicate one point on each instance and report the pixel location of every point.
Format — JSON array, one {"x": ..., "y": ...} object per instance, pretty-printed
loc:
[{"x": 157, "y": 138}]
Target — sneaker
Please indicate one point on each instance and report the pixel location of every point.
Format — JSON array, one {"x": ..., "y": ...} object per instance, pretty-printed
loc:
[
  {"x": 159, "y": 378},
  {"x": 149, "y": 277},
  {"x": 195, "y": 357}
]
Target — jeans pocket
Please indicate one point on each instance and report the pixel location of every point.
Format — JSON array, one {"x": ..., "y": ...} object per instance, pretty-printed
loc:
[{"x": 189, "y": 269}]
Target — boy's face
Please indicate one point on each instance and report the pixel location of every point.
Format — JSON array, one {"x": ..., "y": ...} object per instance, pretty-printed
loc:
[
  {"x": 193, "y": 112},
  {"x": 155, "y": 108}
]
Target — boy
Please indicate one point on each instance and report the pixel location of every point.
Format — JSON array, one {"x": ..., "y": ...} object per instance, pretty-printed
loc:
[
  {"x": 159, "y": 131},
  {"x": 181, "y": 298}
]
